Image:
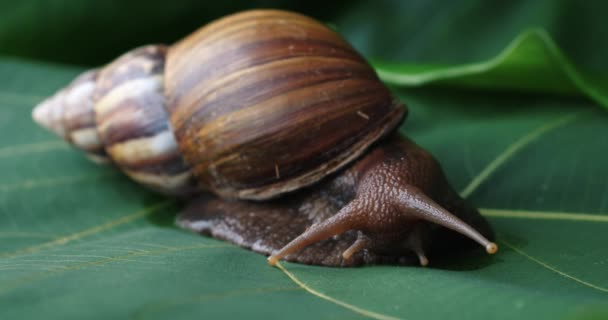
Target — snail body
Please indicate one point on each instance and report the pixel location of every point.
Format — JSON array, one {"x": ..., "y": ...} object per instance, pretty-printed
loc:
[{"x": 279, "y": 133}]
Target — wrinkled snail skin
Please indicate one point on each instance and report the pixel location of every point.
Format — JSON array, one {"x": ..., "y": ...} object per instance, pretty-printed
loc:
[
  {"x": 283, "y": 133},
  {"x": 376, "y": 228}
]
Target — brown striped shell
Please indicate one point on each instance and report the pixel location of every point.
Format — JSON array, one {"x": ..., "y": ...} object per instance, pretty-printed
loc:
[
  {"x": 260, "y": 103},
  {"x": 133, "y": 124},
  {"x": 70, "y": 114},
  {"x": 265, "y": 102},
  {"x": 118, "y": 112}
]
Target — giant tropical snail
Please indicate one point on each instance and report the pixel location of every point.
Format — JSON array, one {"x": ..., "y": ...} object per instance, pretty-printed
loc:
[{"x": 278, "y": 133}]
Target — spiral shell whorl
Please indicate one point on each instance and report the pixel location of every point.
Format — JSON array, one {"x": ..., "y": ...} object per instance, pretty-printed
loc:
[
  {"x": 133, "y": 124},
  {"x": 119, "y": 111},
  {"x": 69, "y": 114},
  {"x": 264, "y": 102},
  {"x": 260, "y": 103}
]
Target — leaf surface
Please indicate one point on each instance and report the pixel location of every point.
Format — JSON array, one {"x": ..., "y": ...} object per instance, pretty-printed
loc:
[{"x": 82, "y": 241}]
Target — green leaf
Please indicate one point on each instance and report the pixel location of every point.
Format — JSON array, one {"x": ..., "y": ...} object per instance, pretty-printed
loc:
[
  {"x": 81, "y": 241},
  {"x": 531, "y": 63}
]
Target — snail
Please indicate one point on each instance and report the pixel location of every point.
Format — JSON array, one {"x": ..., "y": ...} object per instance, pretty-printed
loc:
[{"x": 279, "y": 136}]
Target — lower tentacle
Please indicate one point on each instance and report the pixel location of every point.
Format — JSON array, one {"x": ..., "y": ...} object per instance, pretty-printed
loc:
[
  {"x": 348, "y": 218},
  {"x": 361, "y": 243}
]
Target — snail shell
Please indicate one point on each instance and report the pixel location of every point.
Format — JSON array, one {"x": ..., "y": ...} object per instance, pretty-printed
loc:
[
  {"x": 260, "y": 103},
  {"x": 266, "y": 102}
]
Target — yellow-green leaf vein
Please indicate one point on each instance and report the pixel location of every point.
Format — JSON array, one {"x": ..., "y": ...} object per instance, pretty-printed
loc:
[{"x": 88, "y": 232}]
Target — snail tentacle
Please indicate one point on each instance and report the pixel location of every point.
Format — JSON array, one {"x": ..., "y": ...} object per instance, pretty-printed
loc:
[
  {"x": 416, "y": 242},
  {"x": 412, "y": 201},
  {"x": 348, "y": 218},
  {"x": 392, "y": 206},
  {"x": 361, "y": 243}
]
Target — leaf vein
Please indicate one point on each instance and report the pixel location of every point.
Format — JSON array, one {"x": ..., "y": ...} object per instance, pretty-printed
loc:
[
  {"x": 124, "y": 258},
  {"x": 512, "y": 150},
  {"x": 38, "y": 147},
  {"x": 353, "y": 308},
  {"x": 28, "y": 184},
  {"x": 88, "y": 232},
  {"x": 554, "y": 269},
  {"x": 543, "y": 215}
]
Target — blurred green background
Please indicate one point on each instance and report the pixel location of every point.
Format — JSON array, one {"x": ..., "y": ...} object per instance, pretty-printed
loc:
[{"x": 438, "y": 32}]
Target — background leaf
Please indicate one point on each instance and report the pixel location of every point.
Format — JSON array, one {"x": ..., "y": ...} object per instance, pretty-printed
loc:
[
  {"x": 81, "y": 241},
  {"x": 530, "y": 63}
]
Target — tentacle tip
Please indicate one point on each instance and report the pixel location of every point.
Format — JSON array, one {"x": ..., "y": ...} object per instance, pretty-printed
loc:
[
  {"x": 423, "y": 261},
  {"x": 491, "y": 248},
  {"x": 345, "y": 256},
  {"x": 272, "y": 260}
]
